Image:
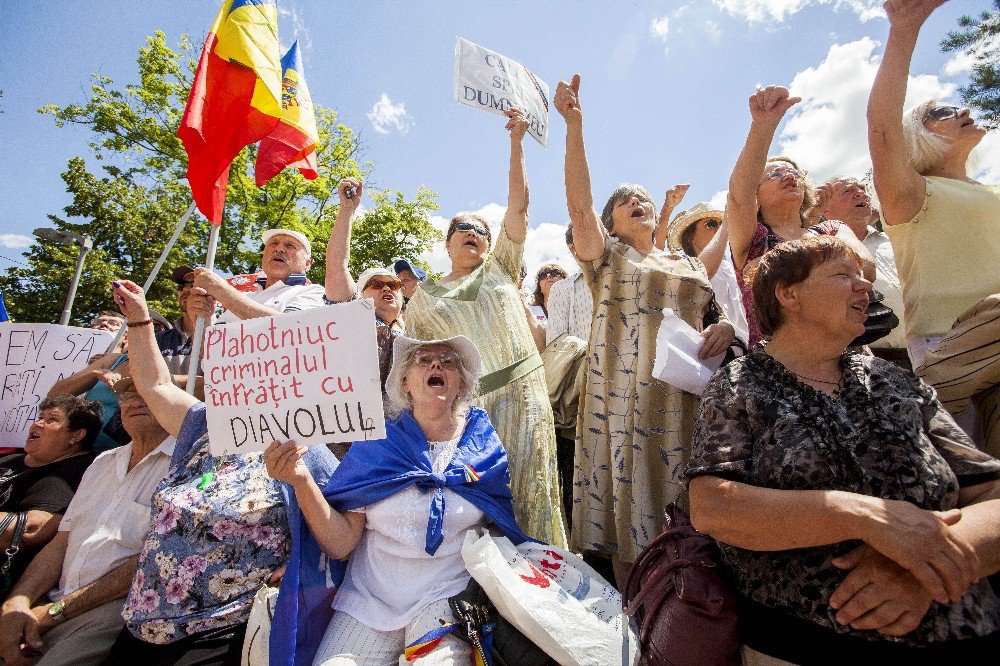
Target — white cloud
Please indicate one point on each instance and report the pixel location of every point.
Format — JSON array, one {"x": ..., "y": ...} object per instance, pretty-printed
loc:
[
  {"x": 986, "y": 159},
  {"x": 827, "y": 132},
  {"x": 718, "y": 200},
  {"x": 713, "y": 30},
  {"x": 300, "y": 29},
  {"x": 759, "y": 11},
  {"x": 16, "y": 241},
  {"x": 545, "y": 242},
  {"x": 385, "y": 115},
  {"x": 660, "y": 27},
  {"x": 960, "y": 63}
]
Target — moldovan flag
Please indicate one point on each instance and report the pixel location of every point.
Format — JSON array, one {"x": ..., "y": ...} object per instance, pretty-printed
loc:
[
  {"x": 293, "y": 141},
  {"x": 235, "y": 99}
]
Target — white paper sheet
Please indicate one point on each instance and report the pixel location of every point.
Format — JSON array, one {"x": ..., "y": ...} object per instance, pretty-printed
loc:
[{"x": 677, "y": 362}]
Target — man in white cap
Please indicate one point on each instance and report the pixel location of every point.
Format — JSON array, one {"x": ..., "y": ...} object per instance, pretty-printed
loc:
[{"x": 284, "y": 287}]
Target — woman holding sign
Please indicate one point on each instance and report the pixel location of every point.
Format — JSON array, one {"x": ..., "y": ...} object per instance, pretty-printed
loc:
[
  {"x": 220, "y": 525},
  {"x": 634, "y": 431},
  {"x": 400, "y": 508},
  {"x": 479, "y": 299}
]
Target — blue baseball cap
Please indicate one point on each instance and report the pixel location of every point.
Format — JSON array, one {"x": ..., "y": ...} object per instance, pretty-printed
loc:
[{"x": 400, "y": 265}]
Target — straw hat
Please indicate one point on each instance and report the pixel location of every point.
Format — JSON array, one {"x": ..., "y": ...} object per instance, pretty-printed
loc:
[{"x": 686, "y": 218}]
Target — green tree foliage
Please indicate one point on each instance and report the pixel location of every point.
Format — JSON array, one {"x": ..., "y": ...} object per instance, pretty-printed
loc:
[
  {"x": 393, "y": 228},
  {"x": 980, "y": 36},
  {"x": 129, "y": 194}
]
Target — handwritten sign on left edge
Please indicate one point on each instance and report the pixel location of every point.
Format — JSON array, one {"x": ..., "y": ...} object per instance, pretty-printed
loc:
[
  {"x": 33, "y": 357},
  {"x": 310, "y": 376}
]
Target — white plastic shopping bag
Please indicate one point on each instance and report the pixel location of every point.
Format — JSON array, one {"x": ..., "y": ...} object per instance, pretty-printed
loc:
[
  {"x": 555, "y": 599},
  {"x": 256, "y": 651}
]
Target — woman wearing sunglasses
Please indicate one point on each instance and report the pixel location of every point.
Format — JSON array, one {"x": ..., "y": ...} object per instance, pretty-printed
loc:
[
  {"x": 479, "y": 299},
  {"x": 943, "y": 228},
  {"x": 633, "y": 433},
  {"x": 400, "y": 507},
  {"x": 546, "y": 276}
]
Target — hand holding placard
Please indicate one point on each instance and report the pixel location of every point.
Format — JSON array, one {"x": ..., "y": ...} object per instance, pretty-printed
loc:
[{"x": 310, "y": 376}]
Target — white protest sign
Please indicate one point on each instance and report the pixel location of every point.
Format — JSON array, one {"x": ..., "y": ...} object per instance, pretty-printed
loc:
[
  {"x": 489, "y": 81},
  {"x": 310, "y": 376},
  {"x": 33, "y": 357}
]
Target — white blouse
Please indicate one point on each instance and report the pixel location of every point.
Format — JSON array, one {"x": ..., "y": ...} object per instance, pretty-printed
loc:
[{"x": 390, "y": 578}]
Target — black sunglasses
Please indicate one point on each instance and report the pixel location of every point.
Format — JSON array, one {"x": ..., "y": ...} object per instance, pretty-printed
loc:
[
  {"x": 551, "y": 273},
  {"x": 943, "y": 112},
  {"x": 472, "y": 226}
]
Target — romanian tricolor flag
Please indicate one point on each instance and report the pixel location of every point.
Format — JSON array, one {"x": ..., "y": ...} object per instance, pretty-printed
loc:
[
  {"x": 235, "y": 99},
  {"x": 293, "y": 141}
]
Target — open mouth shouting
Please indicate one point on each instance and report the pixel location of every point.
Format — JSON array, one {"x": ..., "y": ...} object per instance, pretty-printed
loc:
[{"x": 436, "y": 380}]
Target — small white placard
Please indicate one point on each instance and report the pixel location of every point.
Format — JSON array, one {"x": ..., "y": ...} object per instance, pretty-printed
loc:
[
  {"x": 677, "y": 362},
  {"x": 310, "y": 376}
]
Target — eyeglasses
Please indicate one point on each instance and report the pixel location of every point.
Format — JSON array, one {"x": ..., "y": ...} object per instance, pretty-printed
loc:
[
  {"x": 942, "y": 112},
  {"x": 551, "y": 273},
  {"x": 711, "y": 223},
  {"x": 181, "y": 286},
  {"x": 472, "y": 226},
  {"x": 781, "y": 172},
  {"x": 379, "y": 285},
  {"x": 448, "y": 359}
]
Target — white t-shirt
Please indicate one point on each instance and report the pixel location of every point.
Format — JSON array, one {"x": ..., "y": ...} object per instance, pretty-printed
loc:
[
  {"x": 727, "y": 295},
  {"x": 110, "y": 514},
  {"x": 390, "y": 578},
  {"x": 283, "y": 298}
]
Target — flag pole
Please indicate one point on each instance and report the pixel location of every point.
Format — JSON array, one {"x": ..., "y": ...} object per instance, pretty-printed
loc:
[
  {"x": 156, "y": 268},
  {"x": 199, "y": 329}
]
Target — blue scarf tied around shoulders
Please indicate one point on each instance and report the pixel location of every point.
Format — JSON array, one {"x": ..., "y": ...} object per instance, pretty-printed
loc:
[{"x": 370, "y": 472}]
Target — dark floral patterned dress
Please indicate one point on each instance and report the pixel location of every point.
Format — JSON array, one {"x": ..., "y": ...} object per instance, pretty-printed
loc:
[{"x": 885, "y": 435}]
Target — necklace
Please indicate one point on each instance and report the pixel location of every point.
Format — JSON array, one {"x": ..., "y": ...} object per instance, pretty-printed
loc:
[{"x": 838, "y": 385}]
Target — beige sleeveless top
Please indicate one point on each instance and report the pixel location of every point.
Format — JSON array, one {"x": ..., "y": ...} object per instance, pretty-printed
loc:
[{"x": 948, "y": 255}]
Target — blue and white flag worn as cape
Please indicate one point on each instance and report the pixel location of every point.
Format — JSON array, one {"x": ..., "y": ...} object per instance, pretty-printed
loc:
[{"x": 370, "y": 472}]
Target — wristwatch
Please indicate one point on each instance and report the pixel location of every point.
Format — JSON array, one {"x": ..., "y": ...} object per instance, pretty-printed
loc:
[{"x": 56, "y": 612}]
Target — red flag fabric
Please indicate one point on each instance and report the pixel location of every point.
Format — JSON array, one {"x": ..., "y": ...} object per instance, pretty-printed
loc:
[{"x": 235, "y": 97}]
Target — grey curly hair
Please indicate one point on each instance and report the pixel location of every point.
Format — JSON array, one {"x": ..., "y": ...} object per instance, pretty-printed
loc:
[{"x": 398, "y": 399}]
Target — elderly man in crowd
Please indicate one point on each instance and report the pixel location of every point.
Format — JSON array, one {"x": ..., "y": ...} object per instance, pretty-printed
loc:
[
  {"x": 847, "y": 200},
  {"x": 90, "y": 563},
  {"x": 410, "y": 276},
  {"x": 284, "y": 288}
]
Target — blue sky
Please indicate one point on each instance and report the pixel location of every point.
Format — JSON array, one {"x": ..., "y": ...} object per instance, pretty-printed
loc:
[{"x": 664, "y": 90}]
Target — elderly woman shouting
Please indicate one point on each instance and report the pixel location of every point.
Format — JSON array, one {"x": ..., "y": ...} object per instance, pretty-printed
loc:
[
  {"x": 769, "y": 197},
  {"x": 634, "y": 431},
  {"x": 400, "y": 508},
  {"x": 809, "y": 460},
  {"x": 943, "y": 228},
  {"x": 479, "y": 298}
]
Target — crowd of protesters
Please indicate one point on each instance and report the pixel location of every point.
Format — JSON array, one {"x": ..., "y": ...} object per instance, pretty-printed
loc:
[{"x": 844, "y": 456}]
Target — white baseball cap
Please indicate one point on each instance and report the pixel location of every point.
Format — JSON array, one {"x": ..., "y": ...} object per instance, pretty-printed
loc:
[{"x": 297, "y": 235}]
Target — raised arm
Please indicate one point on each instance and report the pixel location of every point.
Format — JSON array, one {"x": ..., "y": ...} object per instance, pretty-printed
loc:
[
  {"x": 715, "y": 252},
  {"x": 767, "y": 107},
  {"x": 515, "y": 220},
  {"x": 589, "y": 235},
  {"x": 213, "y": 286},
  {"x": 899, "y": 187},
  {"x": 339, "y": 284},
  {"x": 673, "y": 198},
  {"x": 336, "y": 533},
  {"x": 80, "y": 382},
  {"x": 168, "y": 402}
]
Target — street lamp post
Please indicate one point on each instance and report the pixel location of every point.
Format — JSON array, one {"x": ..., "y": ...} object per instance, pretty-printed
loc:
[{"x": 68, "y": 238}]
